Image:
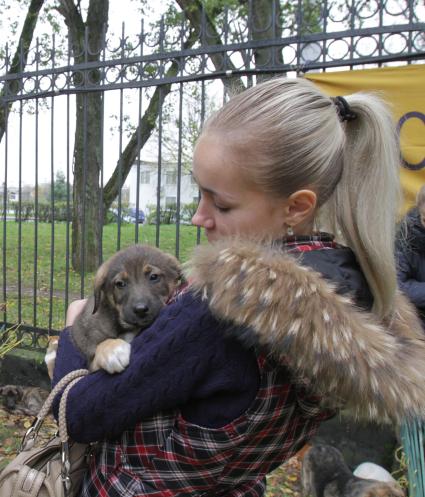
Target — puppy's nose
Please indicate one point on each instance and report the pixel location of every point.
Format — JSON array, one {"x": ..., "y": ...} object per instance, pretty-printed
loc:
[{"x": 141, "y": 309}]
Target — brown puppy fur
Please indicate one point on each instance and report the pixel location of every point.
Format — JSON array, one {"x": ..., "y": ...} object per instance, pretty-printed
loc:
[
  {"x": 130, "y": 289},
  {"x": 23, "y": 400},
  {"x": 325, "y": 474}
]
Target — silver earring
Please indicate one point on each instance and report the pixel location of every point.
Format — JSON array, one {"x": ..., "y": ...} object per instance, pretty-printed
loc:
[{"x": 290, "y": 231}]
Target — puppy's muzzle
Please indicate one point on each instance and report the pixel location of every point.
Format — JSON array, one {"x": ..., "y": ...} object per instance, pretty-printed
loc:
[{"x": 141, "y": 309}]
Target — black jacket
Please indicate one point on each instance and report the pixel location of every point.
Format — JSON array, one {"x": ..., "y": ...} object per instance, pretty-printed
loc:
[{"x": 410, "y": 252}]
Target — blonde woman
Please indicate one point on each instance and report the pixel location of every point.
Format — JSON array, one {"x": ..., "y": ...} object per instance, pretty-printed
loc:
[{"x": 281, "y": 325}]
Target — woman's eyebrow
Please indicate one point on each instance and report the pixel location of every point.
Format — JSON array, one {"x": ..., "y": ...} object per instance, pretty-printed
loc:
[
  {"x": 208, "y": 190},
  {"x": 224, "y": 195}
]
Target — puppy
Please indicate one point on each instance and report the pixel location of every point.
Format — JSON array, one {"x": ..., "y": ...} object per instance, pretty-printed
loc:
[
  {"x": 324, "y": 473},
  {"x": 23, "y": 400},
  {"x": 130, "y": 289}
]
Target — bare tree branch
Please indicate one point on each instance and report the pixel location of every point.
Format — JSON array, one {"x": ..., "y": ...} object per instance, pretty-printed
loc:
[{"x": 75, "y": 24}]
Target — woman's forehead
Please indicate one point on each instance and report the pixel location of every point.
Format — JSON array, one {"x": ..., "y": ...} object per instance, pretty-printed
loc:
[{"x": 216, "y": 168}]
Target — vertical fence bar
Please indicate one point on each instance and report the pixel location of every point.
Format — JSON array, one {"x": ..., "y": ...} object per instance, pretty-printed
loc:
[
  {"x": 250, "y": 26},
  {"x": 139, "y": 140},
  {"x": 5, "y": 212},
  {"x": 121, "y": 119},
  {"x": 20, "y": 201},
  {"x": 410, "y": 35},
  {"x": 352, "y": 23},
  {"x": 68, "y": 183},
  {"x": 158, "y": 191},
  {"x": 299, "y": 22},
  {"x": 83, "y": 223},
  {"x": 179, "y": 170},
  {"x": 198, "y": 230},
  {"x": 381, "y": 23},
  {"x": 52, "y": 196},
  {"x": 102, "y": 213},
  {"x": 180, "y": 145},
  {"x": 85, "y": 131},
  {"x": 36, "y": 199},
  {"x": 160, "y": 108},
  {"x": 325, "y": 29},
  {"x": 35, "y": 281},
  {"x": 20, "y": 216},
  {"x": 35, "y": 276},
  {"x": 5, "y": 193}
]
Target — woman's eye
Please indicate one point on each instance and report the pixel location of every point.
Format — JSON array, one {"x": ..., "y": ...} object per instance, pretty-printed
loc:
[
  {"x": 120, "y": 284},
  {"x": 153, "y": 277},
  {"x": 222, "y": 209}
]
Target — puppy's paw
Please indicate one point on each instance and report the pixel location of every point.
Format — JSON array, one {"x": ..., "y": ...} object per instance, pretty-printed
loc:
[
  {"x": 50, "y": 356},
  {"x": 112, "y": 355}
]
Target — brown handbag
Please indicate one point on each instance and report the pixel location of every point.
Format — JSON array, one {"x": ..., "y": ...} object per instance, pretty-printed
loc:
[{"x": 57, "y": 468}]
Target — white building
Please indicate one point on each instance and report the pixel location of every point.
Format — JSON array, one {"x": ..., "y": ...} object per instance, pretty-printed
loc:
[{"x": 148, "y": 186}]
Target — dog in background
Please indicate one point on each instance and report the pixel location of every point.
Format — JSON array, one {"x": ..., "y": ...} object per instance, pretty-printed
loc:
[
  {"x": 130, "y": 289},
  {"x": 18, "y": 399},
  {"x": 324, "y": 473}
]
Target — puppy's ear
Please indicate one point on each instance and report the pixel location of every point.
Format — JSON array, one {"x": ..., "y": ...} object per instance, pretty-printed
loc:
[
  {"x": 176, "y": 270},
  {"x": 181, "y": 280},
  {"x": 99, "y": 283}
]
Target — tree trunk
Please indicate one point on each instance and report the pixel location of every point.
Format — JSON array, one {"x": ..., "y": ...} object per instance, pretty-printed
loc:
[
  {"x": 265, "y": 17},
  {"x": 86, "y": 218},
  {"x": 19, "y": 61}
]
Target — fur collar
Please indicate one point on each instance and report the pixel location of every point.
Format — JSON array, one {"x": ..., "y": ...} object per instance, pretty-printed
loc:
[{"x": 374, "y": 370}]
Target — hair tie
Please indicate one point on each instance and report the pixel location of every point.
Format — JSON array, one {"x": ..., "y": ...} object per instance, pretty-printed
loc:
[{"x": 344, "y": 110}]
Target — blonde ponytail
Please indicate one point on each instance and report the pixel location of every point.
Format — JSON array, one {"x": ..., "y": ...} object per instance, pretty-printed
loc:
[{"x": 366, "y": 201}]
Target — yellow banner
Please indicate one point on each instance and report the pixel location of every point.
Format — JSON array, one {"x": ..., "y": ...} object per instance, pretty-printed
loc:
[{"x": 404, "y": 89}]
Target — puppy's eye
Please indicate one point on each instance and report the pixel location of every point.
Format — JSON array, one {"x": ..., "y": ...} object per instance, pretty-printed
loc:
[
  {"x": 153, "y": 277},
  {"x": 120, "y": 284}
]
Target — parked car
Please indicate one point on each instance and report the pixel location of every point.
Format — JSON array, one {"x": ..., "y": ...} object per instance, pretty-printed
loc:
[{"x": 134, "y": 215}]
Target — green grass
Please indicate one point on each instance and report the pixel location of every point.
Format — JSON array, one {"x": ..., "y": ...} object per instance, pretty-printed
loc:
[{"x": 27, "y": 271}]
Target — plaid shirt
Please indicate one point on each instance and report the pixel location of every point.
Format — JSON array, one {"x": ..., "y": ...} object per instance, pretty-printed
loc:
[{"x": 167, "y": 456}]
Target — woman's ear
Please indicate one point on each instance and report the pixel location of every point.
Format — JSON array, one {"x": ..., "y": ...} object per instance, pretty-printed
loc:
[{"x": 300, "y": 207}]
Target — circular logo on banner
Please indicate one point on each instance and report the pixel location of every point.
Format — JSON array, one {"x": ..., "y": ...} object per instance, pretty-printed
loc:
[{"x": 402, "y": 121}]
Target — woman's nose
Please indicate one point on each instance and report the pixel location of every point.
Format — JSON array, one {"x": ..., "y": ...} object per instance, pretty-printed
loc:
[{"x": 201, "y": 218}]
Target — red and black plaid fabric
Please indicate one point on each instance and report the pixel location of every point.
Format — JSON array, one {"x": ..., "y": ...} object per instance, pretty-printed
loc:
[
  {"x": 166, "y": 456},
  {"x": 319, "y": 241}
]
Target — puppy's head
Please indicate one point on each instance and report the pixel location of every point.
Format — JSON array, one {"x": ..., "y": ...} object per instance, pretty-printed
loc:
[
  {"x": 136, "y": 283},
  {"x": 322, "y": 464},
  {"x": 12, "y": 395}
]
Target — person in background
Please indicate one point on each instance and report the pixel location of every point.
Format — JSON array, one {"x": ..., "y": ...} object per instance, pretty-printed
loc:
[
  {"x": 410, "y": 252},
  {"x": 281, "y": 323}
]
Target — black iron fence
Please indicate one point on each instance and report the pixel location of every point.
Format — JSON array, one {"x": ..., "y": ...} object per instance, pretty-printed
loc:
[{"x": 96, "y": 136}]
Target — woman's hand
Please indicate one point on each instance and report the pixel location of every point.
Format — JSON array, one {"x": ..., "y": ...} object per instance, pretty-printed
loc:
[{"x": 74, "y": 309}]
